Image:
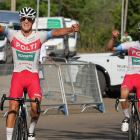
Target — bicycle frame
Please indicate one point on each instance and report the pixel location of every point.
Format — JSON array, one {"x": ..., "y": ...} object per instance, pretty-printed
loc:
[
  {"x": 20, "y": 123},
  {"x": 24, "y": 105}
]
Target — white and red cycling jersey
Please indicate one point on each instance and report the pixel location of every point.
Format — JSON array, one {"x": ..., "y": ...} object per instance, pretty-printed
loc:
[
  {"x": 133, "y": 48},
  {"x": 26, "y": 50},
  {"x": 26, "y": 53}
]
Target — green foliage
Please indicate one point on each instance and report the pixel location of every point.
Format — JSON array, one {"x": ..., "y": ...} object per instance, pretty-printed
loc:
[{"x": 132, "y": 20}]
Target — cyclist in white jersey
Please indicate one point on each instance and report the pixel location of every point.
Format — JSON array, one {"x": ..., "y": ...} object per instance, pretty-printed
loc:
[
  {"x": 132, "y": 77},
  {"x": 26, "y": 45}
]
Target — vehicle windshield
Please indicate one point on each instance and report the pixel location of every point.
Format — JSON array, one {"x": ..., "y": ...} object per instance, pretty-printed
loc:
[
  {"x": 17, "y": 27},
  {"x": 120, "y": 52},
  {"x": 2, "y": 37},
  {"x": 50, "y": 30}
]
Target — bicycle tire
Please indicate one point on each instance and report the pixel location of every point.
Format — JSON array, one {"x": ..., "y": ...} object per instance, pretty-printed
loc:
[
  {"x": 24, "y": 132},
  {"x": 17, "y": 133},
  {"x": 133, "y": 128}
]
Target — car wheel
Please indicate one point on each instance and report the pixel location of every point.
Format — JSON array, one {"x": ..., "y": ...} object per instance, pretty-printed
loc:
[{"x": 102, "y": 81}]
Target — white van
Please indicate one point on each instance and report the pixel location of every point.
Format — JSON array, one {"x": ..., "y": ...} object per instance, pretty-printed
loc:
[
  {"x": 72, "y": 37},
  {"x": 57, "y": 46},
  {"x": 4, "y": 43}
]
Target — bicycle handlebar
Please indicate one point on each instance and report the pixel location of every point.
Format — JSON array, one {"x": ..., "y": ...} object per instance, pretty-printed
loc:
[
  {"x": 132, "y": 100},
  {"x": 19, "y": 100}
]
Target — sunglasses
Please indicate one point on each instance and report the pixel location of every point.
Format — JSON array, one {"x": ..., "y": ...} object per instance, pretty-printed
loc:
[{"x": 23, "y": 19}]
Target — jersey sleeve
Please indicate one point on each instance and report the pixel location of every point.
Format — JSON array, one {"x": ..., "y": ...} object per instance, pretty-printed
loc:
[
  {"x": 45, "y": 35},
  {"x": 6, "y": 32},
  {"x": 125, "y": 45},
  {"x": 43, "y": 53},
  {"x": 11, "y": 34}
]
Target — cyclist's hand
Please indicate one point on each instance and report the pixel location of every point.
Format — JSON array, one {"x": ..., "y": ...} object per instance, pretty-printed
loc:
[
  {"x": 115, "y": 34},
  {"x": 75, "y": 28}
]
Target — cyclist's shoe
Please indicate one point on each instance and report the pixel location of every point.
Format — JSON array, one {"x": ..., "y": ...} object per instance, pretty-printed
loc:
[
  {"x": 31, "y": 136},
  {"x": 125, "y": 125}
]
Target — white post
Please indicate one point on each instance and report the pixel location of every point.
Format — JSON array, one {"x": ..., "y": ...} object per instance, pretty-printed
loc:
[
  {"x": 48, "y": 8},
  {"x": 125, "y": 17},
  {"x": 37, "y": 15},
  {"x": 122, "y": 18},
  {"x": 13, "y": 5}
]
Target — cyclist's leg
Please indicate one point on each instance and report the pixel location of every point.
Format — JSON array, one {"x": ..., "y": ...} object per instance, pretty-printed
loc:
[
  {"x": 126, "y": 88},
  {"x": 34, "y": 91},
  {"x": 15, "y": 91},
  {"x": 124, "y": 95},
  {"x": 138, "y": 97},
  {"x": 136, "y": 81}
]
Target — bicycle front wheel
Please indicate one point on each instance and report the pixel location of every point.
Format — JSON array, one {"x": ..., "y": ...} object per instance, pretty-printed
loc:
[
  {"x": 133, "y": 128},
  {"x": 17, "y": 133},
  {"x": 24, "y": 122}
]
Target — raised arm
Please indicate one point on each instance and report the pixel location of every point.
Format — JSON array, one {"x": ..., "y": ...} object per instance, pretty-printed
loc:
[
  {"x": 64, "y": 31},
  {"x": 110, "y": 44}
]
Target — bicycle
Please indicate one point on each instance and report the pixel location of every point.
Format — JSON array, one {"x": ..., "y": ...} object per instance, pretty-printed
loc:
[
  {"x": 133, "y": 132},
  {"x": 20, "y": 127}
]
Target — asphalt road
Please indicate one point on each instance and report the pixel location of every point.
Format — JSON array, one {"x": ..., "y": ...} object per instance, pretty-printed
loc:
[{"x": 91, "y": 124}]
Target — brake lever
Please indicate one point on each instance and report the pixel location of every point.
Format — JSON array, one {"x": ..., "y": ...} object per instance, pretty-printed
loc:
[
  {"x": 37, "y": 105},
  {"x": 116, "y": 105},
  {"x": 2, "y": 101}
]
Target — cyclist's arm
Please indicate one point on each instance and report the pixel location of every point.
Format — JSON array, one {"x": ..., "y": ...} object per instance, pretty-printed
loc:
[
  {"x": 64, "y": 31},
  {"x": 110, "y": 45},
  {"x": 4, "y": 31}
]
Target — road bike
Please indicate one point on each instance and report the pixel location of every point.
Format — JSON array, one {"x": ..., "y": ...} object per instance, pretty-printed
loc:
[
  {"x": 133, "y": 132},
  {"x": 20, "y": 127}
]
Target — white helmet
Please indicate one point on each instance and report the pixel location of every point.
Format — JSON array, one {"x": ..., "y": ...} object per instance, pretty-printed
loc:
[{"x": 27, "y": 12}]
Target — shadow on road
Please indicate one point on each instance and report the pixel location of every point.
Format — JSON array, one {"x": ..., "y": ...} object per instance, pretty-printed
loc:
[{"x": 99, "y": 133}]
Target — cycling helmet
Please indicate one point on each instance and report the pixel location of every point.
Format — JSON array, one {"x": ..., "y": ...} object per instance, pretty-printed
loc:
[
  {"x": 138, "y": 28},
  {"x": 27, "y": 12}
]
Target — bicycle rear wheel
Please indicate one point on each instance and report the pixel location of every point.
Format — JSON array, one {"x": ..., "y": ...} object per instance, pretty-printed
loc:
[
  {"x": 133, "y": 128},
  {"x": 17, "y": 133}
]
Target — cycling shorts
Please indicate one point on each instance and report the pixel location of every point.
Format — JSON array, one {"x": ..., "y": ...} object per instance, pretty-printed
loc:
[
  {"x": 131, "y": 82},
  {"x": 25, "y": 79}
]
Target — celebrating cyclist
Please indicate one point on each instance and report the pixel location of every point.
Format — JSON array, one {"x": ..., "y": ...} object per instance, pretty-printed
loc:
[
  {"x": 132, "y": 77},
  {"x": 26, "y": 45}
]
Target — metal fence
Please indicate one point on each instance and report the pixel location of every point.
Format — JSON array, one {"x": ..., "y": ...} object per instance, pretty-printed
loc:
[
  {"x": 52, "y": 88},
  {"x": 78, "y": 82},
  {"x": 81, "y": 85},
  {"x": 6, "y": 72}
]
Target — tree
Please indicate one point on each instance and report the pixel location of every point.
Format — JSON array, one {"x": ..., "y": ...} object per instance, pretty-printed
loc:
[{"x": 132, "y": 20}]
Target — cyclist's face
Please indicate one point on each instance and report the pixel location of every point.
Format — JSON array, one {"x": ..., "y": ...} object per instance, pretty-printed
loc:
[{"x": 26, "y": 24}]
